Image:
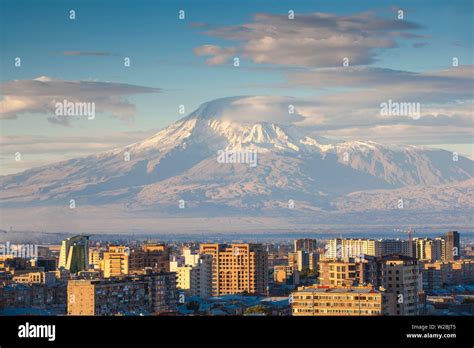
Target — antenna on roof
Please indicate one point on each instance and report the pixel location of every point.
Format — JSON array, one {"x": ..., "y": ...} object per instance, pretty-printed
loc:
[{"x": 410, "y": 232}]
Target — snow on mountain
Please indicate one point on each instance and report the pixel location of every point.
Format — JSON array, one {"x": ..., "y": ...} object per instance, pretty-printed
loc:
[{"x": 180, "y": 163}]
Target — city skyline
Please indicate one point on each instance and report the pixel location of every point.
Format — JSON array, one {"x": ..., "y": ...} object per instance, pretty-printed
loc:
[
  {"x": 391, "y": 277},
  {"x": 246, "y": 172}
]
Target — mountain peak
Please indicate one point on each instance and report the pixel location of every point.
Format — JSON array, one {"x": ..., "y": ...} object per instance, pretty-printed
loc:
[{"x": 180, "y": 162}]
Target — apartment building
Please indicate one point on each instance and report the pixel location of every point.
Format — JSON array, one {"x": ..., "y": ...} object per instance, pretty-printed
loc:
[
  {"x": 402, "y": 275},
  {"x": 343, "y": 248},
  {"x": 45, "y": 278},
  {"x": 152, "y": 293},
  {"x": 201, "y": 277},
  {"x": 95, "y": 256},
  {"x": 115, "y": 261},
  {"x": 285, "y": 275},
  {"x": 452, "y": 247},
  {"x": 349, "y": 272},
  {"x": 427, "y": 249},
  {"x": 440, "y": 273},
  {"x": 396, "y": 246},
  {"x": 237, "y": 268},
  {"x": 341, "y": 301},
  {"x": 155, "y": 256},
  {"x": 306, "y": 244}
]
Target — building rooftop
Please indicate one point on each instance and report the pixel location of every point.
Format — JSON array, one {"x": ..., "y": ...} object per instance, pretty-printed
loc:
[
  {"x": 397, "y": 257},
  {"x": 326, "y": 289}
]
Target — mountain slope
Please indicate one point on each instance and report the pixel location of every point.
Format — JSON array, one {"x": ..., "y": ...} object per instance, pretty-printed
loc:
[{"x": 180, "y": 163}]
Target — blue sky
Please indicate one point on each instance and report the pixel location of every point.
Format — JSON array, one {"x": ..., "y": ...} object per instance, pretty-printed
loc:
[{"x": 162, "y": 52}]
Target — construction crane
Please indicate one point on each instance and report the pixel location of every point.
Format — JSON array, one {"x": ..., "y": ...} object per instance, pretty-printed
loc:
[{"x": 410, "y": 232}]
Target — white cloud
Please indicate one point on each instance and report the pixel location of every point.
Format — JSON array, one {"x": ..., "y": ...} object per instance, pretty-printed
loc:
[
  {"x": 445, "y": 97},
  {"x": 314, "y": 40},
  {"x": 41, "y": 94},
  {"x": 219, "y": 55},
  {"x": 261, "y": 108},
  {"x": 351, "y": 108}
]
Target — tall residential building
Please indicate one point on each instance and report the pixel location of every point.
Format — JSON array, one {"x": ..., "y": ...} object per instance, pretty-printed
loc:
[
  {"x": 436, "y": 275},
  {"x": 402, "y": 275},
  {"x": 285, "y": 275},
  {"x": 201, "y": 277},
  {"x": 397, "y": 274},
  {"x": 190, "y": 259},
  {"x": 453, "y": 247},
  {"x": 237, "y": 268},
  {"x": 95, "y": 256},
  {"x": 153, "y": 293},
  {"x": 183, "y": 276},
  {"x": 342, "y": 248},
  {"x": 74, "y": 254},
  {"x": 427, "y": 249},
  {"x": 341, "y": 301},
  {"x": 293, "y": 260},
  {"x": 396, "y": 246},
  {"x": 314, "y": 260},
  {"x": 442, "y": 242},
  {"x": 302, "y": 260},
  {"x": 352, "y": 271},
  {"x": 115, "y": 261},
  {"x": 305, "y": 244},
  {"x": 195, "y": 275},
  {"x": 155, "y": 256}
]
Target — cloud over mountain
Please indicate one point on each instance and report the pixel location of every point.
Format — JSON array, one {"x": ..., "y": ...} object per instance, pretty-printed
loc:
[
  {"x": 39, "y": 96},
  {"x": 179, "y": 162}
]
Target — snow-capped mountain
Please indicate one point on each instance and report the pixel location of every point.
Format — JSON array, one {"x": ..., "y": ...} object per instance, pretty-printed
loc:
[{"x": 296, "y": 172}]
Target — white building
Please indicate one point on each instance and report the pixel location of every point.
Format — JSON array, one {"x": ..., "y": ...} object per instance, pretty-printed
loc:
[{"x": 342, "y": 248}]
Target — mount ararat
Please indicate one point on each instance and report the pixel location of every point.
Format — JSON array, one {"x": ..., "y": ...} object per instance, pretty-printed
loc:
[{"x": 173, "y": 182}]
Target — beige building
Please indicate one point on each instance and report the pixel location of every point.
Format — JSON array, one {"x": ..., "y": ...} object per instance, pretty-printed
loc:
[
  {"x": 397, "y": 274},
  {"x": 237, "y": 268},
  {"x": 441, "y": 273},
  {"x": 462, "y": 271},
  {"x": 427, "y": 249},
  {"x": 115, "y": 262},
  {"x": 195, "y": 276},
  {"x": 285, "y": 274},
  {"x": 183, "y": 276},
  {"x": 341, "y": 301},
  {"x": 190, "y": 259},
  {"x": 155, "y": 256},
  {"x": 95, "y": 256},
  {"x": 314, "y": 260},
  {"x": 353, "y": 271},
  {"x": 402, "y": 276},
  {"x": 36, "y": 278},
  {"x": 144, "y": 294}
]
